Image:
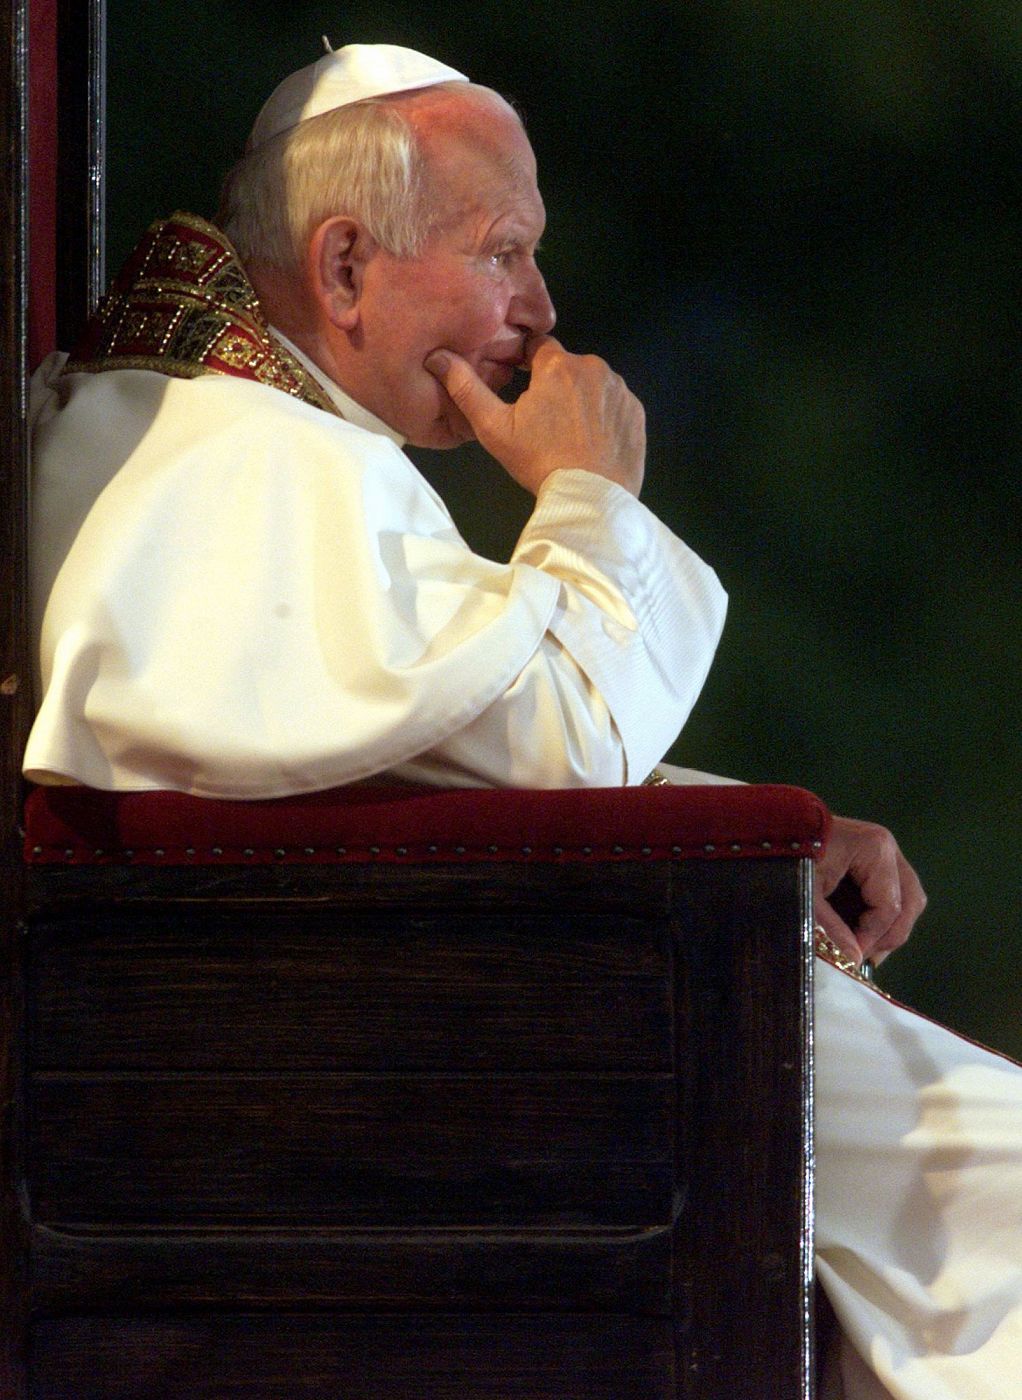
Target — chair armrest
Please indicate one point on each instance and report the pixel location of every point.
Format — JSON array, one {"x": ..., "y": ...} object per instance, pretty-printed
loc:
[{"x": 367, "y": 824}]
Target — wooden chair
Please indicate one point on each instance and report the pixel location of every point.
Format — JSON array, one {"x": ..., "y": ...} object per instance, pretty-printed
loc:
[{"x": 389, "y": 1093}]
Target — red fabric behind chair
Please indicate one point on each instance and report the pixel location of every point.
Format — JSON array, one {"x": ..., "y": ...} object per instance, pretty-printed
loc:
[{"x": 42, "y": 144}]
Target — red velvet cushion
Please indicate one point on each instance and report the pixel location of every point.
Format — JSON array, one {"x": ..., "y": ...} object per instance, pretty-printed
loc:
[{"x": 79, "y": 826}]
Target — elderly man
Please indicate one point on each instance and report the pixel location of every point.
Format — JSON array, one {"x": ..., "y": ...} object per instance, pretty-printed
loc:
[{"x": 249, "y": 591}]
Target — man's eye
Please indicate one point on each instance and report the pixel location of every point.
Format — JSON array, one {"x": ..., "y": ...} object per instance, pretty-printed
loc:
[{"x": 503, "y": 258}]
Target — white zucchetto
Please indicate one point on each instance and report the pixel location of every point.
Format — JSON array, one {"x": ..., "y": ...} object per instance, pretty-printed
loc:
[{"x": 344, "y": 76}]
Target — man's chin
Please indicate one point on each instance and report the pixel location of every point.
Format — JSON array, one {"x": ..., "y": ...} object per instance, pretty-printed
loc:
[
  {"x": 443, "y": 434},
  {"x": 450, "y": 429},
  {"x": 455, "y": 438}
]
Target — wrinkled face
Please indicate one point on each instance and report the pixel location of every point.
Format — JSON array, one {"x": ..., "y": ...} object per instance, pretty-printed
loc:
[{"x": 475, "y": 288}]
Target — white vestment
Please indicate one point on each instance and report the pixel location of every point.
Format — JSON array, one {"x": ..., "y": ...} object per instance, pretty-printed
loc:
[
  {"x": 246, "y": 596},
  {"x": 249, "y": 597},
  {"x": 919, "y": 1202}
]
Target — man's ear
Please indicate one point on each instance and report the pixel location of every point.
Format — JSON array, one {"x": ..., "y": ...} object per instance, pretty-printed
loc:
[{"x": 339, "y": 250}]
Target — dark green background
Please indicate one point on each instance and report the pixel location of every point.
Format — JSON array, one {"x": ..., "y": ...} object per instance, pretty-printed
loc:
[{"x": 795, "y": 227}]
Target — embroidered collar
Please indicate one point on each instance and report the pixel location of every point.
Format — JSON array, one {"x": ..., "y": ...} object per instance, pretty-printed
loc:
[{"x": 183, "y": 306}]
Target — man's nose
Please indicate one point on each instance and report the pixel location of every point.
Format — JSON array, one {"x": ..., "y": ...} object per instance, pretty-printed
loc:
[{"x": 532, "y": 308}]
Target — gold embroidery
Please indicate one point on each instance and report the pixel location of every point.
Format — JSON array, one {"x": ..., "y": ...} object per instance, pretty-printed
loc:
[
  {"x": 189, "y": 257},
  {"x": 234, "y": 349},
  {"x": 183, "y": 306},
  {"x": 825, "y": 947}
]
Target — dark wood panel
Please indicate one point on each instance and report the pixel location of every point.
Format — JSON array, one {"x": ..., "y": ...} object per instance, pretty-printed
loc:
[
  {"x": 353, "y": 1358},
  {"x": 747, "y": 1162},
  {"x": 191, "y": 991},
  {"x": 352, "y": 1149},
  {"x": 639, "y": 888},
  {"x": 443, "y": 1270}
]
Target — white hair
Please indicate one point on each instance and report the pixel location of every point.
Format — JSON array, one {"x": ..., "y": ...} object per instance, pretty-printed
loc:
[{"x": 362, "y": 160}]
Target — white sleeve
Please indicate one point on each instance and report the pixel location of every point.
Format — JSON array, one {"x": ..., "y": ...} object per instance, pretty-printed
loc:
[
  {"x": 622, "y": 661},
  {"x": 694, "y": 777}
]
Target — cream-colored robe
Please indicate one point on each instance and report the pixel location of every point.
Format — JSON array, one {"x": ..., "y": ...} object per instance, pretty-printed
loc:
[{"x": 246, "y": 596}]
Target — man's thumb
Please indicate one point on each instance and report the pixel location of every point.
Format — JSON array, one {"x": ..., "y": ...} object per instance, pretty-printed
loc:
[
  {"x": 439, "y": 363},
  {"x": 475, "y": 399}
]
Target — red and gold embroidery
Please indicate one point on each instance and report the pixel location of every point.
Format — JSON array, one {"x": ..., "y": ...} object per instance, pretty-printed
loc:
[{"x": 183, "y": 306}]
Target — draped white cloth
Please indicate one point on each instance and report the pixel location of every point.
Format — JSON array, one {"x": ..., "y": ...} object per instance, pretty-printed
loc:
[{"x": 919, "y": 1202}]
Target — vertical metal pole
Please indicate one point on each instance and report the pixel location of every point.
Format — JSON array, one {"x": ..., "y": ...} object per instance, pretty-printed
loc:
[
  {"x": 15, "y": 697},
  {"x": 96, "y": 120}
]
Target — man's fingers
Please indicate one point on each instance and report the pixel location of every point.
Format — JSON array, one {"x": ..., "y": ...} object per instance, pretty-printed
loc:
[
  {"x": 838, "y": 931},
  {"x": 913, "y": 902},
  {"x": 890, "y": 897},
  {"x": 874, "y": 868},
  {"x": 534, "y": 344},
  {"x": 575, "y": 412},
  {"x": 485, "y": 412}
]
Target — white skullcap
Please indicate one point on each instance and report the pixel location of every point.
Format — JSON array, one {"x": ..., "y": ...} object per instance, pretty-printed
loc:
[{"x": 344, "y": 76}]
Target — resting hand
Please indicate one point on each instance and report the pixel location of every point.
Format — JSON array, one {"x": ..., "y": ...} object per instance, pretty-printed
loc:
[
  {"x": 576, "y": 412},
  {"x": 890, "y": 897}
]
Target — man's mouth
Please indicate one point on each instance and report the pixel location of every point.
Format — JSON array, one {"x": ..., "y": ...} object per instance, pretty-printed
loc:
[
  {"x": 498, "y": 374},
  {"x": 499, "y": 370}
]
